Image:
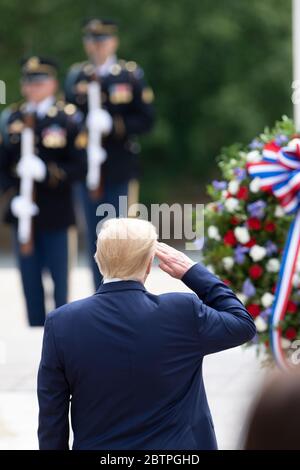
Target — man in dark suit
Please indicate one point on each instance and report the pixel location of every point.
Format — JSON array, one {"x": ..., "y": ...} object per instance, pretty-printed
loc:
[{"x": 131, "y": 361}]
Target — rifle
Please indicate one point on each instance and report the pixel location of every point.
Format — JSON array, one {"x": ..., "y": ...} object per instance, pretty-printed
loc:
[
  {"x": 95, "y": 151},
  {"x": 25, "y": 235}
]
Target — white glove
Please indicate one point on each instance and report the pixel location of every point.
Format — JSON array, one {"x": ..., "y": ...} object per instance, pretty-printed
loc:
[
  {"x": 99, "y": 120},
  {"x": 32, "y": 167},
  {"x": 20, "y": 206},
  {"x": 96, "y": 155}
]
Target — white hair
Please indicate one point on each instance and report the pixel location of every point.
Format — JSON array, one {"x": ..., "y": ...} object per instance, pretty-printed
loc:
[{"x": 125, "y": 247}]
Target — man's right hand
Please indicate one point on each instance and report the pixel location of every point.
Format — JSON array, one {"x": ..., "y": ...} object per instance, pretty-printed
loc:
[{"x": 172, "y": 261}]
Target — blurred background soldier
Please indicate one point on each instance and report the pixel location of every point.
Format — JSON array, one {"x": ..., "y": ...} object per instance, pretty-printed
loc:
[
  {"x": 117, "y": 109},
  {"x": 42, "y": 152}
]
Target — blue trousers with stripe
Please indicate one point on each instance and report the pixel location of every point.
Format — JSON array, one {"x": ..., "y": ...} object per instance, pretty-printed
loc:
[{"x": 50, "y": 253}]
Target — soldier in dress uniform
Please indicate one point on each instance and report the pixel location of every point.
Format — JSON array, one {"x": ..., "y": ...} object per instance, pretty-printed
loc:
[
  {"x": 125, "y": 111},
  {"x": 37, "y": 171}
]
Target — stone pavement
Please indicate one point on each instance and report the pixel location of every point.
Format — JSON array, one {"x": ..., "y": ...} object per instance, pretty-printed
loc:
[{"x": 231, "y": 377}]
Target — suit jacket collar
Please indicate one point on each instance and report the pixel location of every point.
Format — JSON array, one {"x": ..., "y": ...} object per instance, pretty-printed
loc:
[{"x": 120, "y": 286}]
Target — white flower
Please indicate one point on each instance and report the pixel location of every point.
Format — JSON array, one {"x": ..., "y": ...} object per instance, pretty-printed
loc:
[
  {"x": 261, "y": 324},
  {"x": 210, "y": 268},
  {"x": 285, "y": 343},
  {"x": 233, "y": 186},
  {"x": 257, "y": 252},
  {"x": 228, "y": 262},
  {"x": 279, "y": 212},
  {"x": 224, "y": 193},
  {"x": 294, "y": 144},
  {"x": 242, "y": 234},
  {"x": 267, "y": 299},
  {"x": 254, "y": 186},
  {"x": 211, "y": 206},
  {"x": 242, "y": 297},
  {"x": 231, "y": 204},
  {"x": 213, "y": 232},
  {"x": 273, "y": 265},
  {"x": 253, "y": 156},
  {"x": 233, "y": 161}
]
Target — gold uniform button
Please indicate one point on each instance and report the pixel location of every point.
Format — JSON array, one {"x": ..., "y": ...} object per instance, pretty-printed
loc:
[
  {"x": 131, "y": 66},
  {"x": 70, "y": 109},
  {"x": 52, "y": 112},
  {"x": 115, "y": 69}
]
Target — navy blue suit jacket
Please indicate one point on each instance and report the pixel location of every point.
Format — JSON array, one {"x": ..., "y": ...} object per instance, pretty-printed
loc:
[{"x": 128, "y": 363}]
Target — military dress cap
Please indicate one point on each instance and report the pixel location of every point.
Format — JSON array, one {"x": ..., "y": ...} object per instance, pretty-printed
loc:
[
  {"x": 36, "y": 68},
  {"x": 98, "y": 29}
]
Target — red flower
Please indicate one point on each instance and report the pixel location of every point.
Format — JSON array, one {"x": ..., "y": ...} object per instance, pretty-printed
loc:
[
  {"x": 270, "y": 226},
  {"x": 272, "y": 146},
  {"x": 227, "y": 282},
  {"x": 291, "y": 307},
  {"x": 243, "y": 193},
  {"x": 254, "y": 223},
  {"x": 255, "y": 271},
  {"x": 273, "y": 289},
  {"x": 254, "y": 310},
  {"x": 234, "y": 220},
  {"x": 291, "y": 333},
  {"x": 229, "y": 238},
  {"x": 250, "y": 243}
]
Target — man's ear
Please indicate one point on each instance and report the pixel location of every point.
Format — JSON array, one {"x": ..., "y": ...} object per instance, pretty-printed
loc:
[
  {"x": 149, "y": 266},
  {"x": 54, "y": 86}
]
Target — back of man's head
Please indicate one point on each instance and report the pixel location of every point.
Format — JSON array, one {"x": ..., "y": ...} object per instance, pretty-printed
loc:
[{"x": 125, "y": 247}]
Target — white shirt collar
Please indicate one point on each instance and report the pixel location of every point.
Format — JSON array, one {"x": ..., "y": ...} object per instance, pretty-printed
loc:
[
  {"x": 104, "y": 69},
  {"x": 117, "y": 279},
  {"x": 112, "y": 279},
  {"x": 42, "y": 107}
]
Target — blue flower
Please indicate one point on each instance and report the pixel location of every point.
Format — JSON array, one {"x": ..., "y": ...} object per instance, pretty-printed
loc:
[
  {"x": 265, "y": 314},
  {"x": 220, "y": 207},
  {"x": 240, "y": 173},
  {"x": 281, "y": 139},
  {"x": 239, "y": 254},
  {"x": 219, "y": 185},
  {"x": 248, "y": 288},
  {"x": 255, "y": 144},
  {"x": 257, "y": 209},
  {"x": 271, "y": 248}
]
